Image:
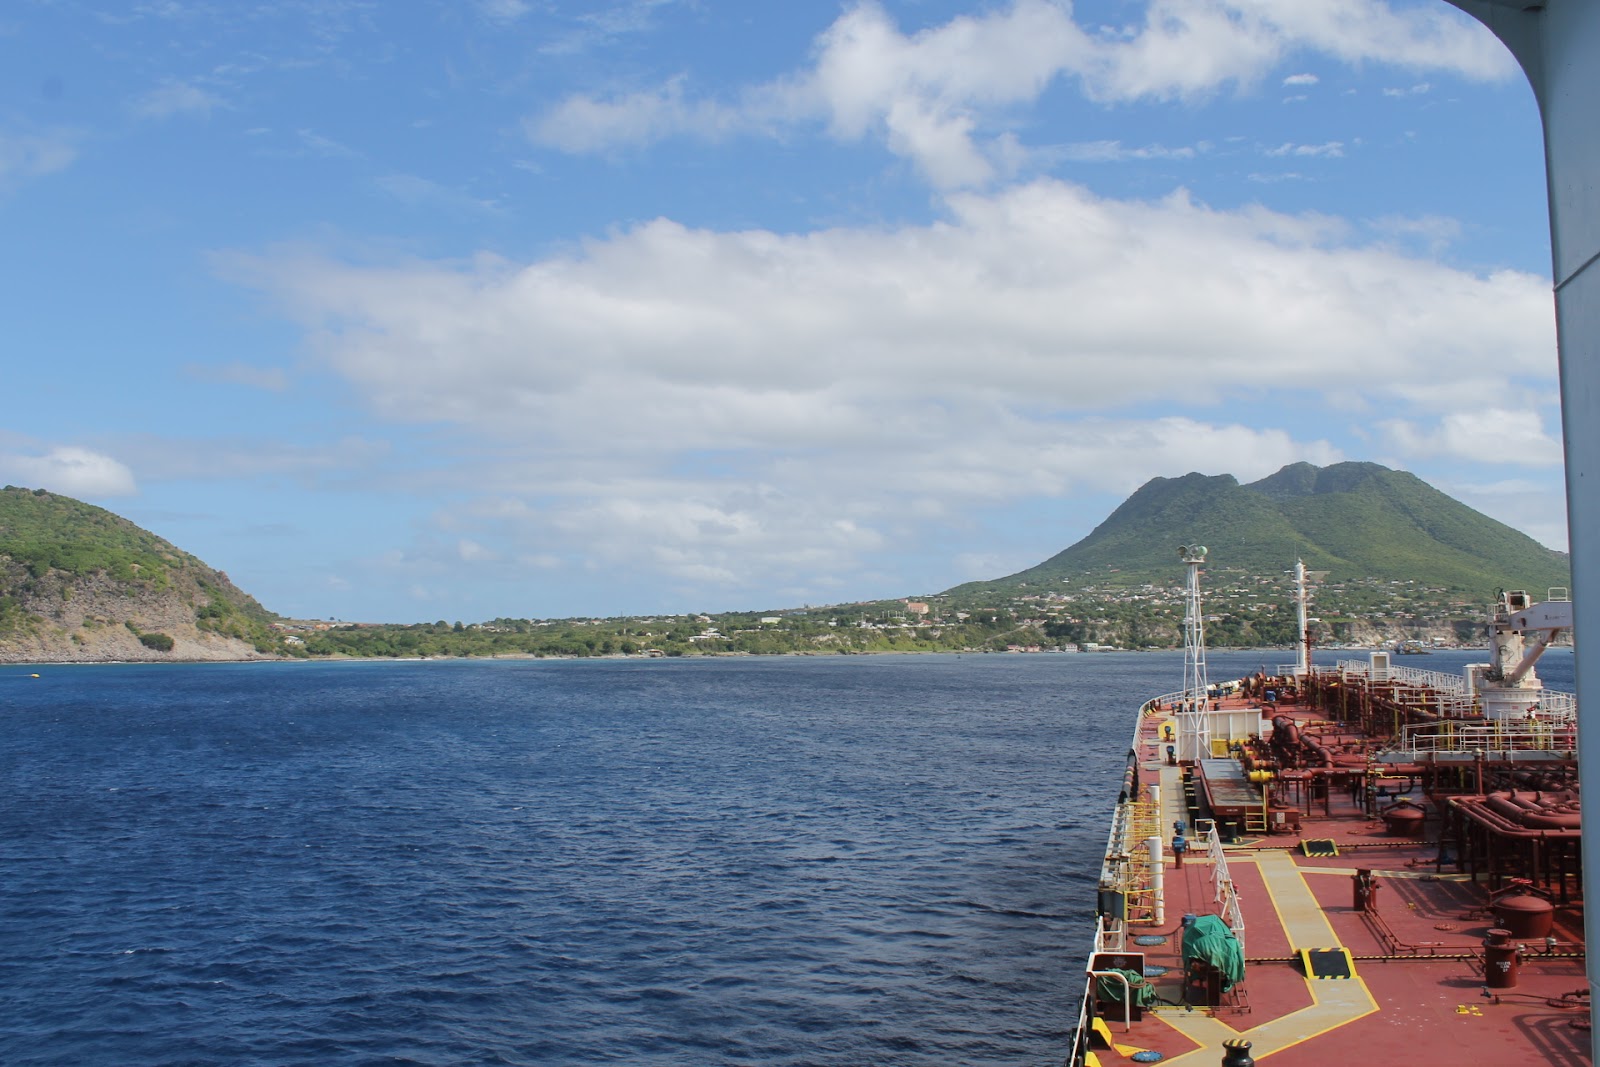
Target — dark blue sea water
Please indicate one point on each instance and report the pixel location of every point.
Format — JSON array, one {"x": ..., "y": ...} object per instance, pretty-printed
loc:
[{"x": 853, "y": 860}]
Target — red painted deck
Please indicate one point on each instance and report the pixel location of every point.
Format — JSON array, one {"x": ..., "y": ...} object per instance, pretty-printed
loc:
[{"x": 1426, "y": 978}]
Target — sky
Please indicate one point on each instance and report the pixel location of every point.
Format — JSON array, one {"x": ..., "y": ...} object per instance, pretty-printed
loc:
[{"x": 403, "y": 310}]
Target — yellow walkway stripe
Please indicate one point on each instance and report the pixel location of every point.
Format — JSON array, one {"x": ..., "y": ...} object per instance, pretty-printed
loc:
[
  {"x": 1297, "y": 906},
  {"x": 1334, "y": 1004}
]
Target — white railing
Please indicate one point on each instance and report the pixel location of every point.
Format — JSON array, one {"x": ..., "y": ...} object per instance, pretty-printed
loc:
[
  {"x": 1451, "y": 694},
  {"x": 1224, "y": 893},
  {"x": 1105, "y": 940},
  {"x": 1562, "y": 707},
  {"x": 1497, "y": 735},
  {"x": 1396, "y": 673}
]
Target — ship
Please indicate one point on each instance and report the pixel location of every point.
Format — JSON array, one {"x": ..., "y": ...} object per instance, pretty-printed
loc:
[
  {"x": 1346, "y": 861},
  {"x": 1334, "y": 931}
]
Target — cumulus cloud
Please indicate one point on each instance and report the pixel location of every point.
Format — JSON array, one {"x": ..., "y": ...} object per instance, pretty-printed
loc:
[
  {"x": 790, "y": 402},
  {"x": 1489, "y": 435},
  {"x": 72, "y": 471},
  {"x": 760, "y": 337},
  {"x": 940, "y": 97}
]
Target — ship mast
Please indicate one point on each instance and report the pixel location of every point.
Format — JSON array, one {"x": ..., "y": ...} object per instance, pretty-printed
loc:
[
  {"x": 1302, "y": 662},
  {"x": 1196, "y": 727}
]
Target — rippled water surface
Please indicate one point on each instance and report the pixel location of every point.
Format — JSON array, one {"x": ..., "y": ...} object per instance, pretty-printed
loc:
[{"x": 853, "y": 860}]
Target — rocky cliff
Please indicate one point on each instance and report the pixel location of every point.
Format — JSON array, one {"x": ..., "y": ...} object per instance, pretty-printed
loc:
[{"x": 80, "y": 584}]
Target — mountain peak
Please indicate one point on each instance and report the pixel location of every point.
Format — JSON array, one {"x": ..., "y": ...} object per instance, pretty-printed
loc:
[
  {"x": 1304, "y": 479},
  {"x": 1354, "y": 520}
]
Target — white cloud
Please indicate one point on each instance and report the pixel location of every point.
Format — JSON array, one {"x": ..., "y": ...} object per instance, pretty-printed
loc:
[
  {"x": 1488, "y": 435},
  {"x": 756, "y": 336},
  {"x": 1432, "y": 233},
  {"x": 803, "y": 522},
  {"x": 471, "y": 551},
  {"x": 785, "y": 404},
  {"x": 584, "y": 124},
  {"x": 1328, "y": 150},
  {"x": 176, "y": 98},
  {"x": 70, "y": 470},
  {"x": 940, "y": 97},
  {"x": 1117, "y": 152}
]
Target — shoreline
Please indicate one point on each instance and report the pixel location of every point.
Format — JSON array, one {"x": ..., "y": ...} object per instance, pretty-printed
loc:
[{"x": 526, "y": 656}]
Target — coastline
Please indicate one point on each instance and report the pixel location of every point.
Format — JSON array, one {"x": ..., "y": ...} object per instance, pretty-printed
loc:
[{"x": 10, "y": 659}]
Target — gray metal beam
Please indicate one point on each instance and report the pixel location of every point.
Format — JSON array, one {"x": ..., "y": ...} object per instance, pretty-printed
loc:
[{"x": 1557, "y": 42}]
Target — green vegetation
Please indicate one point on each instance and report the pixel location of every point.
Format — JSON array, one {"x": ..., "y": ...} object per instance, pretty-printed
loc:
[
  {"x": 42, "y": 532},
  {"x": 882, "y": 626},
  {"x": 159, "y": 642},
  {"x": 58, "y": 554},
  {"x": 1350, "y": 521}
]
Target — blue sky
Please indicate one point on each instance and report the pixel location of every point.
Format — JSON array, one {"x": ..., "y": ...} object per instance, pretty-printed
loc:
[{"x": 454, "y": 309}]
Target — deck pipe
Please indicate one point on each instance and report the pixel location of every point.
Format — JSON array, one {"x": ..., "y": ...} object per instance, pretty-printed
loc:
[
  {"x": 1510, "y": 820},
  {"x": 1158, "y": 887}
]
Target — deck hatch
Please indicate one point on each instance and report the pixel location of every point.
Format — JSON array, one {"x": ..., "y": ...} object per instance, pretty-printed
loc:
[
  {"x": 1328, "y": 963},
  {"x": 1321, "y": 846}
]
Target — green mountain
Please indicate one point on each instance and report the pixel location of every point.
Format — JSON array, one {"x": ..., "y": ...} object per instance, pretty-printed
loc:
[
  {"x": 80, "y": 583},
  {"x": 1353, "y": 520}
]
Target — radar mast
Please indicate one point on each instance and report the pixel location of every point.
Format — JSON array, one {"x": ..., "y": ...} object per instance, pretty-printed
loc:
[{"x": 1196, "y": 734}]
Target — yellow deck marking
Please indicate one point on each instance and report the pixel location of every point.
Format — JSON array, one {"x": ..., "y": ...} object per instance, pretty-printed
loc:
[
  {"x": 1302, "y": 918},
  {"x": 1349, "y": 872},
  {"x": 1333, "y": 1004}
]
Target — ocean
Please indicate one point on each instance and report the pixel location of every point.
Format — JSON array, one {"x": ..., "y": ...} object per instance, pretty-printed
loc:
[{"x": 787, "y": 860}]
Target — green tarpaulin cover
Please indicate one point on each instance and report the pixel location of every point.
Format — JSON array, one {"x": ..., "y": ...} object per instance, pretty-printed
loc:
[
  {"x": 1208, "y": 938},
  {"x": 1111, "y": 991}
]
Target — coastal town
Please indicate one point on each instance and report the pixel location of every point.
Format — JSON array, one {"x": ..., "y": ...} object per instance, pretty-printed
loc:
[{"x": 1077, "y": 616}]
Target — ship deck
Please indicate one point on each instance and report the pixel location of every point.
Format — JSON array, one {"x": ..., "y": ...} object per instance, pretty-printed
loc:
[{"x": 1418, "y": 993}]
